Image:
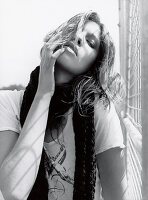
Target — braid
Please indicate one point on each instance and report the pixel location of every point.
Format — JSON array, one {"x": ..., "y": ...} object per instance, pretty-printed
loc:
[{"x": 85, "y": 174}]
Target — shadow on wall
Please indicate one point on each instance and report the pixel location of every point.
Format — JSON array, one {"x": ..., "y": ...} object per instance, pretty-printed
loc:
[{"x": 13, "y": 87}]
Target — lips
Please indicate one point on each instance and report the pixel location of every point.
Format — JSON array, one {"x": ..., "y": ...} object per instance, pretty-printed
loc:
[{"x": 72, "y": 46}]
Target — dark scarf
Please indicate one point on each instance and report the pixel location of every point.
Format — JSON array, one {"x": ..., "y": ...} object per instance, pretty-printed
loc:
[{"x": 84, "y": 178}]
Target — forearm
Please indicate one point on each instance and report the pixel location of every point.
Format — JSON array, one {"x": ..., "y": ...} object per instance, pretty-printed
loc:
[
  {"x": 116, "y": 191},
  {"x": 19, "y": 169}
]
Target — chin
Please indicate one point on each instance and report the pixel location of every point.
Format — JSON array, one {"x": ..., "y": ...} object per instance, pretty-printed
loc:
[
  {"x": 66, "y": 63},
  {"x": 66, "y": 57}
]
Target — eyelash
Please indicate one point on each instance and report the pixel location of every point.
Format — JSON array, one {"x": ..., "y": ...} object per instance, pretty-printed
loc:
[{"x": 91, "y": 44}]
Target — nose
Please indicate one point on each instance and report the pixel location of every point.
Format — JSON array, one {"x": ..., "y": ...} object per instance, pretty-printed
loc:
[{"x": 79, "y": 39}]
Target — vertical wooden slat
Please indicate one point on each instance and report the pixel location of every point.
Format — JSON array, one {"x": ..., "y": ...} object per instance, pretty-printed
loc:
[
  {"x": 131, "y": 69},
  {"x": 144, "y": 13},
  {"x": 123, "y": 30}
]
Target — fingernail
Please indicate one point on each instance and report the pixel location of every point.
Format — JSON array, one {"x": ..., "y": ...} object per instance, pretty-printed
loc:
[{"x": 63, "y": 49}]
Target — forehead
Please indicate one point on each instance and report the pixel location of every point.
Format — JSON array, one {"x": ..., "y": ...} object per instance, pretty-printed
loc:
[{"x": 92, "y": 28}]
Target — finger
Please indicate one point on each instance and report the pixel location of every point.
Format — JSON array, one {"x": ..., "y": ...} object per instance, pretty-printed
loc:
[
  {"x": 49, "y": 53},
  {"x": 53, "y": 43},
  {"x": 48, "y": 49},
  {"x": 54, "y": 39},
  {"x": 56, "y": 55},
  {"x": 54, "y": 46},
  {"x": 45, "y": 53},
  {"x": 45, "y": 50}
]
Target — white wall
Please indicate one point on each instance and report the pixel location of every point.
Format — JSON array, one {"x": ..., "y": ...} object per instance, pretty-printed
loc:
[{"x": 24, "y": 23}]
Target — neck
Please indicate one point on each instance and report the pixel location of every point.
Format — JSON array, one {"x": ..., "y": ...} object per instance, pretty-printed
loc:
[{"x": 62, "y": 76}]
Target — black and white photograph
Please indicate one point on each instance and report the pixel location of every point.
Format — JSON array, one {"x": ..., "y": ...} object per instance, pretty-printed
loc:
[{"x": 73, "y": 100}]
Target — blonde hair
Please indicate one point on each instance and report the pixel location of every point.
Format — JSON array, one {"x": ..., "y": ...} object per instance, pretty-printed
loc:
[{"x": 97, "y": 79}]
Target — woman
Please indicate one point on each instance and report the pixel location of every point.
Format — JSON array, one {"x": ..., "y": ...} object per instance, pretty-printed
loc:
[{"x": 70, "y": 138}]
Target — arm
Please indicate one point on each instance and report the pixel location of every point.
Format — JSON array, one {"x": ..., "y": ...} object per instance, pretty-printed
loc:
[
  {"x": 110, "y": 157},
  {"x": 19, "y": 169},
  {"x": 111, "y": 167},
  {"x": 7, "y": 141}
]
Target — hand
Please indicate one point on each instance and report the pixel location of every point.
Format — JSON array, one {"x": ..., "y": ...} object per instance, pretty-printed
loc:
[{"x": 49, "y": 57}]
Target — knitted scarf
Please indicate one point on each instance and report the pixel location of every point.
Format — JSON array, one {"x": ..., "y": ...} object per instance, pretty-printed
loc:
[{"x": 84, "y": 177}]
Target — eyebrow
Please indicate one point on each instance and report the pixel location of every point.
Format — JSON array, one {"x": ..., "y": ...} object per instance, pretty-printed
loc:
[{"x": 95, "y": 35}]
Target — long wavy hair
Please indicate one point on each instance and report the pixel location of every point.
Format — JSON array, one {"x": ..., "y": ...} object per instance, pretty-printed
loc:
[{"x": 96, "y": 79}]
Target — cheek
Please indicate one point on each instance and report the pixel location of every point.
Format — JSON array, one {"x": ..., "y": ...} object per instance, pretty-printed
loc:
[
  {"x": 84, "y": 66},
  {"x": 89, "y": 60}
]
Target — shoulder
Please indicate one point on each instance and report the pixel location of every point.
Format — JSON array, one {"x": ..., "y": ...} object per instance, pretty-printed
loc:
[
  {"x": 13, "y": 94},
  {"x": 10, "y": 104},
  {"x": 11, "y": 97},
  {"x": 104, "y": 113},
  {"x": 108, "y": 128}
]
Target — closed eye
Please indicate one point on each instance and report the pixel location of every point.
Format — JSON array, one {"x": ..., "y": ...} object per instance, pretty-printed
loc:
[{"x": 91, "y": 43}]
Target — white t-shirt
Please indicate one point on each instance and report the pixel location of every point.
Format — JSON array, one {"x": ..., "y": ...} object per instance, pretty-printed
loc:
[{"x": 108, "y": 135}]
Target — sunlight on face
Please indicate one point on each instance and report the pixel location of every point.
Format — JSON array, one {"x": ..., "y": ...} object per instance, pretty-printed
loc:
[{"x": 81, "y": 53}]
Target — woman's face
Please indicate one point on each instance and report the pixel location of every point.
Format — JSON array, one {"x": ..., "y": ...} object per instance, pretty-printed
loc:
[{"x": 81, "y": 53}]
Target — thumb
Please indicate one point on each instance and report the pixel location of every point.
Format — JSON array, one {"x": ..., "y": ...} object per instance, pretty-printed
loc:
[{"x": 58, "y": 53}]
